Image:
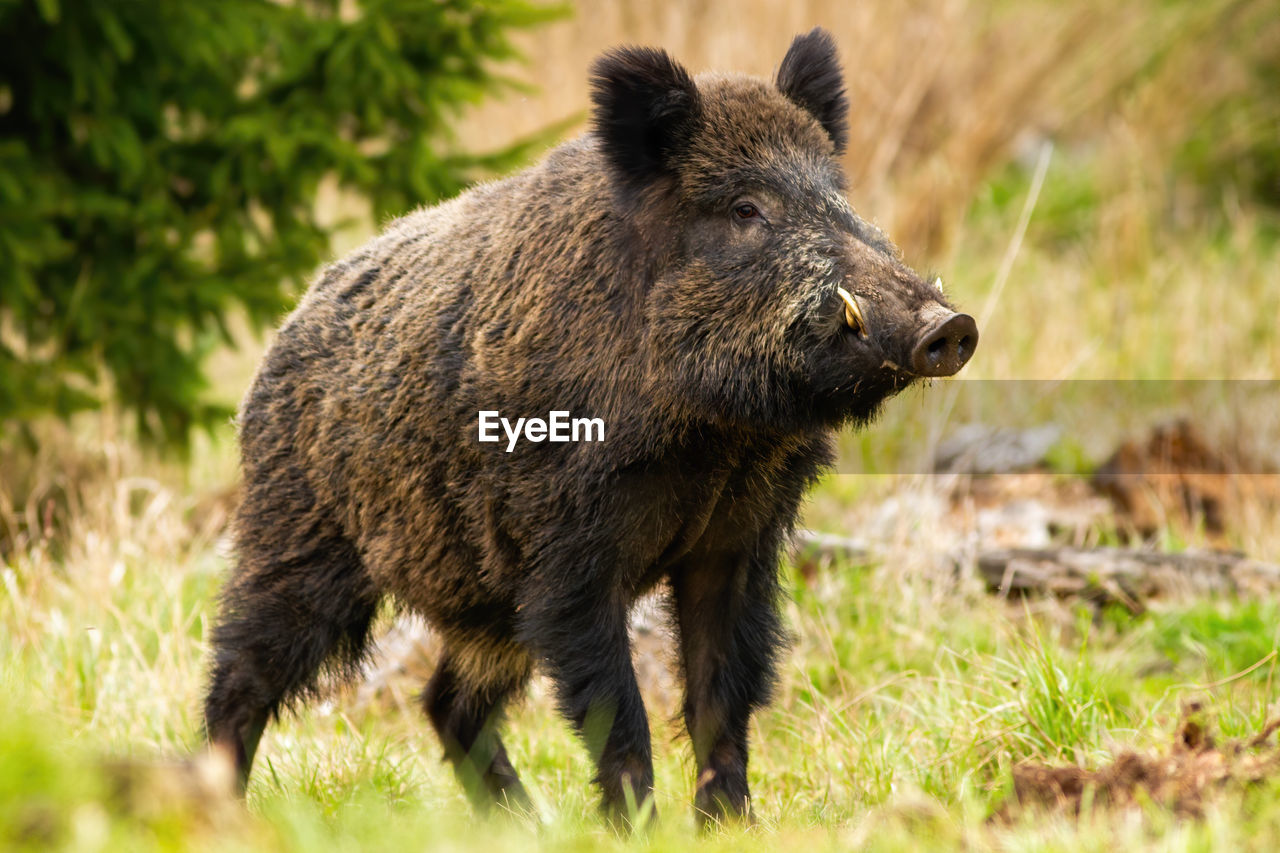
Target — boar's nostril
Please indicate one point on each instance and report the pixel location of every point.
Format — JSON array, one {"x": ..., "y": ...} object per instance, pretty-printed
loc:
[{"x": 945, "y": 347}]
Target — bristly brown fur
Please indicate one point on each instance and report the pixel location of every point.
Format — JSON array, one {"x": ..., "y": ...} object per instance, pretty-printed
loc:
[{"x": 672, "y": 273}]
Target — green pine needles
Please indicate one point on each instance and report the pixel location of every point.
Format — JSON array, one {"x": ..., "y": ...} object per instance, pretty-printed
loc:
[{"x": 159, "y": 164}]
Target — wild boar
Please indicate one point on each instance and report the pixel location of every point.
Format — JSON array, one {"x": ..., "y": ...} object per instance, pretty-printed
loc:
[{"x": 690, "y": 274}]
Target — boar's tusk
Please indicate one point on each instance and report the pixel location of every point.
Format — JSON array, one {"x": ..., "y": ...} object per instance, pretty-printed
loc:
[
  {"x": 852, "y": 313},
  {"x": 937, "y": 283}
]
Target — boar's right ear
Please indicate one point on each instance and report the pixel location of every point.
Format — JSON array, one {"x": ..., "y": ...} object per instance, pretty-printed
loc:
[
  {"x": 646, "y": 110},
  {"x": 810, "y": 77}
]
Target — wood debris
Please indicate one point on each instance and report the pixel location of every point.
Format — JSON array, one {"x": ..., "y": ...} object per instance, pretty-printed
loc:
[{"x": 1181, "y": 779}]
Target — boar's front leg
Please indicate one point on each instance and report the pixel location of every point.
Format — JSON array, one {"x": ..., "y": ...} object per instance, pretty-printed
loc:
[
  {"x": 578, "y": 627},
  {"x": 726, "y": 610}
]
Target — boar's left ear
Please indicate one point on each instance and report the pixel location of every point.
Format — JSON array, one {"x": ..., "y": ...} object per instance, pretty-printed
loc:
[
  {"x": 810, "y": 77},
  {"x": 646, "y": 110}
]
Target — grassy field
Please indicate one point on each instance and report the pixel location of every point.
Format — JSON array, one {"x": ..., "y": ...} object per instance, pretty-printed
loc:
[
  {"x": 910, "y": 693},
  {"x": 908, "y": 697}
]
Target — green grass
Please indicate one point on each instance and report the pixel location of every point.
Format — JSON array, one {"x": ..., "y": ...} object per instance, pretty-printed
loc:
[{"x": 906, "y": 699}]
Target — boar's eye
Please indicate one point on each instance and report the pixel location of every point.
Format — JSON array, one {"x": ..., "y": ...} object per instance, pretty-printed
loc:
[{"x": 746, "y": 210}]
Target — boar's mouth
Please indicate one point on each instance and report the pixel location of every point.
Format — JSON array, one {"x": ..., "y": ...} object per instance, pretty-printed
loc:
[
  {"x": 941, "y": 348},
  {"x": 853, "y": 317}
]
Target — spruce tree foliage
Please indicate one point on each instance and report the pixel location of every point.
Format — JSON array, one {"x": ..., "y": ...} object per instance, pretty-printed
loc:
[{"x": 159, "y": 162}]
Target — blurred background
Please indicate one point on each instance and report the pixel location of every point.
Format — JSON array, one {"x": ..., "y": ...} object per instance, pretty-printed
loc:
[{"x": 1098, "y": 183}]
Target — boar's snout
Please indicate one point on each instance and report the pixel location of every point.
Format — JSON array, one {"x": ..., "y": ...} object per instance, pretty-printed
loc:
[{"x": 945, "y": 346}]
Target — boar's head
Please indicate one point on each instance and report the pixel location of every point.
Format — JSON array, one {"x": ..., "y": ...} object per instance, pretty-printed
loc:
[{"x": 770, "y": 302}]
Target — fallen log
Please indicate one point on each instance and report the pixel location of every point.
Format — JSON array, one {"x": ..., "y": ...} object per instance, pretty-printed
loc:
[{"x": 1125, "y": 576}]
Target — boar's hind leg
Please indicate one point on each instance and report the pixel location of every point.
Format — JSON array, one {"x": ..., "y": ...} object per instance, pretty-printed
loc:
[
  {"x": 464, "y": 701},
  {"x": 730, "y": 635},
  {"x": 581, "y": 635},
  {"x": 300, "y": 601}
]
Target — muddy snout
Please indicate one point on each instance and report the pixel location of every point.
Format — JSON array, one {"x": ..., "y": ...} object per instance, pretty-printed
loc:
[{"x": 945, "y": 345}]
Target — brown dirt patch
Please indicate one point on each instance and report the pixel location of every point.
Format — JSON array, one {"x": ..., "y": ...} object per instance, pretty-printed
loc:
[
  {"x": 1176, "y": 476},
  {"x": 1181, "y": 779}
]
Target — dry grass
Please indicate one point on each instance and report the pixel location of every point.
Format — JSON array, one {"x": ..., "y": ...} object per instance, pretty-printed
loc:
[{"x": 943, "y": 91}]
